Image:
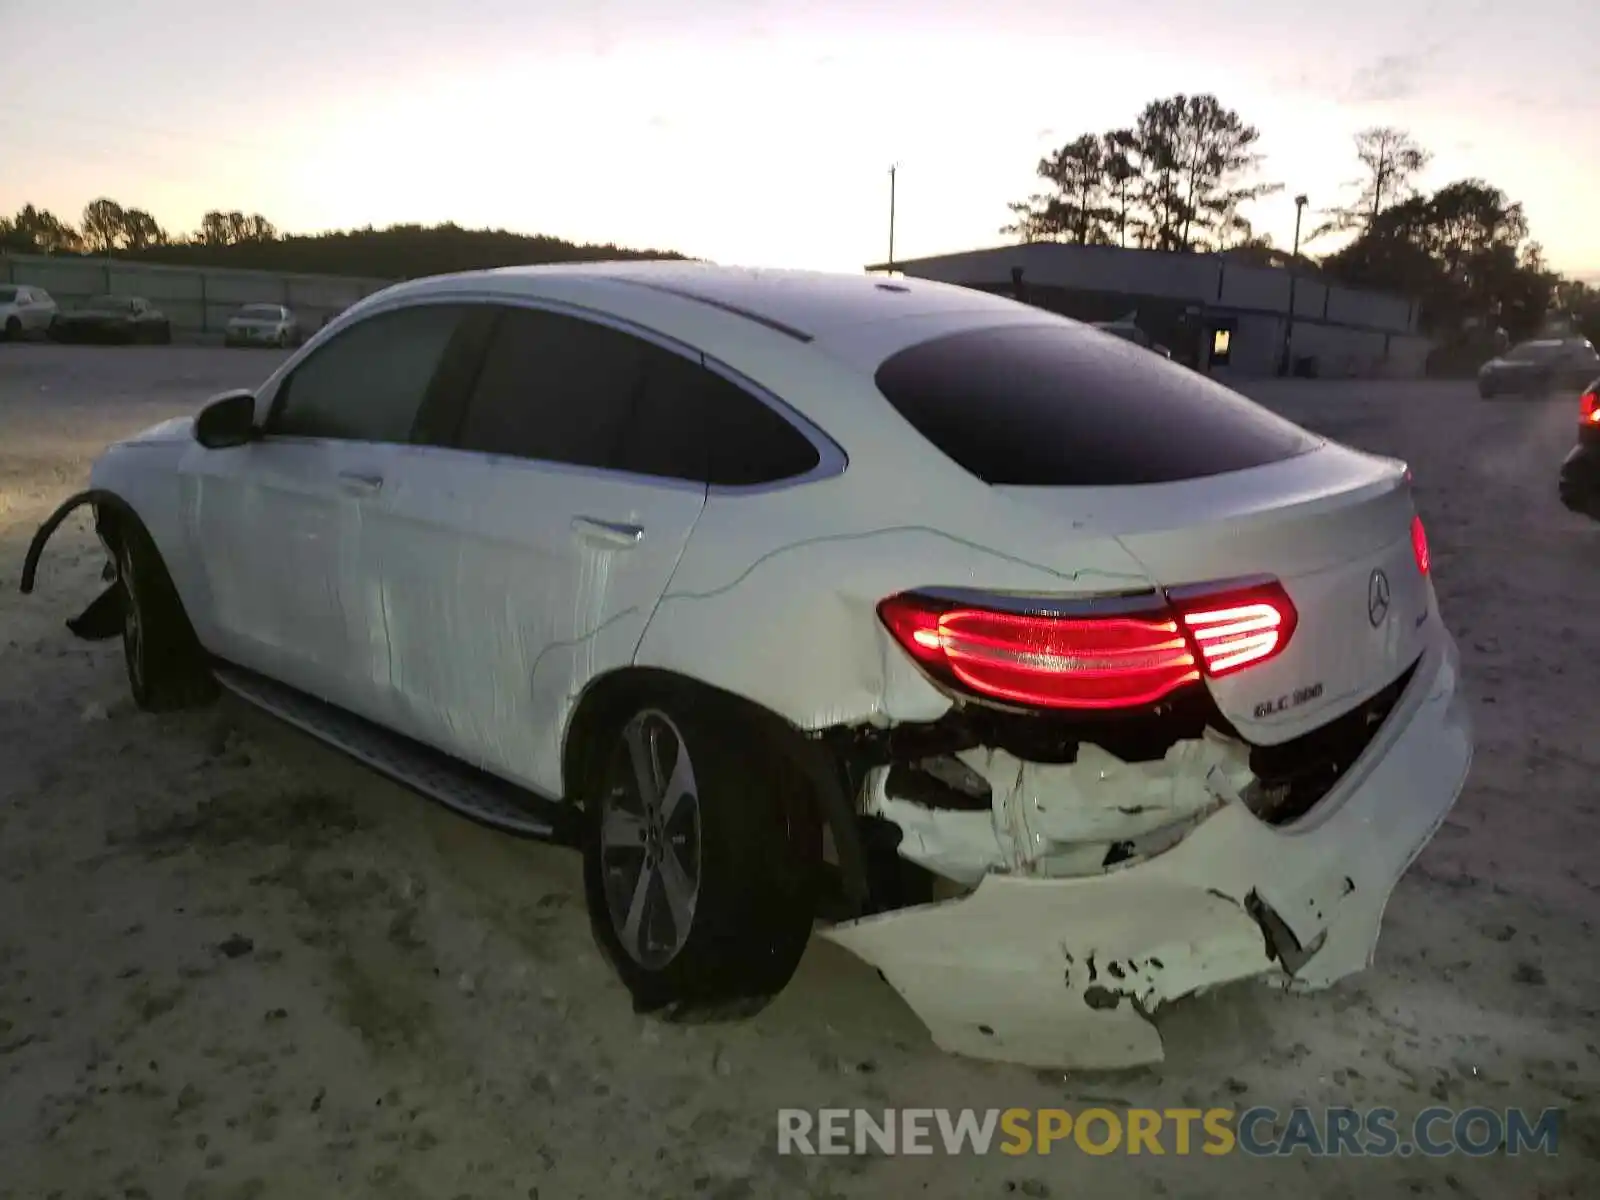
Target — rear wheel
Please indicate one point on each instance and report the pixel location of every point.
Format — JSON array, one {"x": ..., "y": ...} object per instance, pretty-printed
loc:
[
  {"x": 166, "y": 667},
  {"x": 699, "y": 860},
  {"x": 13, "y": 330}
]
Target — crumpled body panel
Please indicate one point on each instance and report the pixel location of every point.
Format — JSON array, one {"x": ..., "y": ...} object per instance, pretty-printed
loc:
[
  {"x": 1065, "y": 819},
  {"x": 1063, "y": 972}
]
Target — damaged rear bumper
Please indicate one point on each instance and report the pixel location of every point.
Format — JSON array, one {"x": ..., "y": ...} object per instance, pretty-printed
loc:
[{"x": 1064, "y": 971}]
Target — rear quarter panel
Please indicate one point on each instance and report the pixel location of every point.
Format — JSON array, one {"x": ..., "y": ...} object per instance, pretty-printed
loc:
[{"x": 775, "y": 598}]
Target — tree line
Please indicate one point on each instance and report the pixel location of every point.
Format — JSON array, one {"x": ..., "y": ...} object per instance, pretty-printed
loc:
[
  {"x": 251, "y": 242},
  {"x": 1177, "y": 180}
]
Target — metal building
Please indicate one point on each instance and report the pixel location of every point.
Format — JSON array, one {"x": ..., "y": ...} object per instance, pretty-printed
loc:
[{"x": 1219, "y": 314}]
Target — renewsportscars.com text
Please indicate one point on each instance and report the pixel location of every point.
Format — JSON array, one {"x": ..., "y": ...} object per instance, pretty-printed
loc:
[{"x": 1259, "y": 1132}]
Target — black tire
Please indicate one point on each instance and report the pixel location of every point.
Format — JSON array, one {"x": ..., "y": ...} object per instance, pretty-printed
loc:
[
  {"x": 13, "y": 330},
  {"x": 756, "y": 842},
  {"x": 167, "y": 669}
]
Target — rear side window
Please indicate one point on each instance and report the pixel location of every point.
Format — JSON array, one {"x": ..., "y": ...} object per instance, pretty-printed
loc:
[
  {"x": 368, "y": 382},
  {"x": 693, "y": 423},
  {"x": 1062, "y": 406}
]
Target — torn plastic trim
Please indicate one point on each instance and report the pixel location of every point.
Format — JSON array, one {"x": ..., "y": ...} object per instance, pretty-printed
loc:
[
  {"x": 94, "y": 496},
  {"x": 103, "y": 619}
]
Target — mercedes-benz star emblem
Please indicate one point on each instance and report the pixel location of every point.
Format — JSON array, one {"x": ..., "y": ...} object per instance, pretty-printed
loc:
[{"x": 1377, "y": 598}]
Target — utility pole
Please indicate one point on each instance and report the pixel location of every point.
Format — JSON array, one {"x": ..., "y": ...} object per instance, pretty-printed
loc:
[
  {"x": 1294, "y": 261},
  {"x": 891, "y": 215}
]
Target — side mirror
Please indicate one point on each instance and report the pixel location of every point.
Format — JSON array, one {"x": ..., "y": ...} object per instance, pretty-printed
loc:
[{"x": 227, "y": 421}]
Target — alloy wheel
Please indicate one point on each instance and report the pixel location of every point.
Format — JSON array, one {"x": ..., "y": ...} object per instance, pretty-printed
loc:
[
  {"x": 132, "y": 620},
  {"x": 650, "y": 851}
]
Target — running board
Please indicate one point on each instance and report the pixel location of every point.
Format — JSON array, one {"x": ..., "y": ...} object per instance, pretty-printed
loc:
[{"x": 471, "y": 792}]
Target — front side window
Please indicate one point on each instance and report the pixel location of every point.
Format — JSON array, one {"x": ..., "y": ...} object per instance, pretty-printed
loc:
[{"x": 368, "y": 382}]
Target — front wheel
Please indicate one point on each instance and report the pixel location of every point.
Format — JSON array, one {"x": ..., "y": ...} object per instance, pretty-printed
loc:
[
  {"x": 166, "y": 667},
  {"x": 699, "y": 861}
]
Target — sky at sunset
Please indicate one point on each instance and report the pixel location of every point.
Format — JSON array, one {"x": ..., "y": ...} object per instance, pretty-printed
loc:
[{"x": 762, "y": 133}]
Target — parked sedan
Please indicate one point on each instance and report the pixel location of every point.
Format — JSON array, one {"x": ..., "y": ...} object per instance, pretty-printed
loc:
[
  {"x": 1579, "y": 485},
  {"x": 112, "y": 319},
  {"x": 1537, "y": 367},
  {"x": 262, "y": 325},
  {"x": 1059, "y": 681},
  {"x": 24, "y": 310}
]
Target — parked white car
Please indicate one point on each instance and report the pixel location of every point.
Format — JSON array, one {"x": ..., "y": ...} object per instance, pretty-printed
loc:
[
  {"x": 262, "y": 325},
  {"x": 24, "y": 311},
  {"x": 1058, "y": 680}
]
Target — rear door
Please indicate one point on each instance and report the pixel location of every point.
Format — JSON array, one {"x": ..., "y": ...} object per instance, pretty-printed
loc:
[
  {"x": 523, "y": 555},
  {"x": 290, "y": 588}
]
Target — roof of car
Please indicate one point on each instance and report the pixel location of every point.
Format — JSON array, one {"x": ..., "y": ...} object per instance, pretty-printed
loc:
[{"x": 803, "y": 304}]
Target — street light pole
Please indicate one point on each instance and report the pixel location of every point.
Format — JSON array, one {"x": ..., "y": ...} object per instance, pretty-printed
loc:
[
  {"x": 1294, "y": 260},
  {"x": 891, "y": 216}
]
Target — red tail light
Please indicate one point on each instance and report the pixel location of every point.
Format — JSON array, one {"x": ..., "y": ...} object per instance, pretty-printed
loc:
[
  {"x": 1114, "y": 659},
  {"x": 1589, "y": 407},
  {"x": 1419, "y": 545}
]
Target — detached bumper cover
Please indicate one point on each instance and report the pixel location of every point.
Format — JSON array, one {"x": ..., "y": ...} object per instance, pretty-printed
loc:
[{"x": 1064, "y": 972}]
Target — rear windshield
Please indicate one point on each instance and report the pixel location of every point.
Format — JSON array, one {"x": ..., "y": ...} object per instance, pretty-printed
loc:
[
  {"x": 1060, "y": 405},
  {"x": 7, "y": 295},
  {"x": 1533, "y": 351}
]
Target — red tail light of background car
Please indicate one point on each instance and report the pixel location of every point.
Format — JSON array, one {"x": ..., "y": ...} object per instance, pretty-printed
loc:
[{"x": 1115, "y": 660}]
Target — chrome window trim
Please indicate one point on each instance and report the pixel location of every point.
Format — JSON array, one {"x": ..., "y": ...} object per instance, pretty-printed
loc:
[{"x": 831, "y": 458}]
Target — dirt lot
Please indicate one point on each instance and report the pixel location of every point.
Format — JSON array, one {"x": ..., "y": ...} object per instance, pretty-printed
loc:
[{"x": 233, "y": 965}]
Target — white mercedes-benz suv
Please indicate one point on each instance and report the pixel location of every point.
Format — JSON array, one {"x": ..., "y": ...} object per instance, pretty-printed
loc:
[{"x": 1049, "y": 677}]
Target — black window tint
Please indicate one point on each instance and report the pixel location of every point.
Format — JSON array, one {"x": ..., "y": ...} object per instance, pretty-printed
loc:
[
  {"x": 1064, "y": 406},
  {"x": 367, "y": 383},
  {"x": 692, "y": 423},
  {"x": 553, "y": 387}
]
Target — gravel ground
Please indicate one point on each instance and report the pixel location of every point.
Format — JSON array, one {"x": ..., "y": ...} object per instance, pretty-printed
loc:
[{"x": 234, "y": 965}]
